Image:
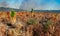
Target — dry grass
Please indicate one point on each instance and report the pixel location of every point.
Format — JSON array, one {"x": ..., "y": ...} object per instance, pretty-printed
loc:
[{"x": 23, "y": 29}]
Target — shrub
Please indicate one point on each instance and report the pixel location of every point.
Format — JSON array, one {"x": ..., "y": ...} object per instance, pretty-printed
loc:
[
  {"x": 12, "y": 13},
  {"x": 46, "y": 25},
  {"x": 31, "y": 22}
]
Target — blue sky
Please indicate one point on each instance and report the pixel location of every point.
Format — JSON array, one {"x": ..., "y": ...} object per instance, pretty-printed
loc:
[{"x": 28, "y": 4}]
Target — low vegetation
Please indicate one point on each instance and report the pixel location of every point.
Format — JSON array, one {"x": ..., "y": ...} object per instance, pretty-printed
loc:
[
  {"x": 12, "y": 13},
  {"x": 31, "y": 21},
  {"x": 42, "y": 24},
  {"x": 46, "y": 25}
]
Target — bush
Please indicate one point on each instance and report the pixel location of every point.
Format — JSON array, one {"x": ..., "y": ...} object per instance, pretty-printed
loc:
[
  {"x": 31, "y": 22},
  {"x": 12, "y": 13},
  {"x": 46, "y": 25}
]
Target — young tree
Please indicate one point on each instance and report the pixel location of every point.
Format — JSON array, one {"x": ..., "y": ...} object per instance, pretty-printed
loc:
[
  {"x": 13, "y": 16},
  {"x": 32, "y": 10},
  {"x": 12, "y": 13}
]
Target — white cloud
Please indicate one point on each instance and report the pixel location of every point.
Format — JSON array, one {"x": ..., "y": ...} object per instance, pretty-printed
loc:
[
  {"x": 52, "y": 6},
  {"x": 29, "y": 4},
  {"x": 10, "y": 3},
  {"x": 3, "y": 4},
  {"x": 40, "y": 5}
]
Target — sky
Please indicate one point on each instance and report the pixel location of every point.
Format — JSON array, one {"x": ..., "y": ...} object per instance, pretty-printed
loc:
[{"x": 29, "y": 4}]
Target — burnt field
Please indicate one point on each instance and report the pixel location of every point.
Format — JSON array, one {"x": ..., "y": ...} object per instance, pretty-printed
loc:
[{"x": 29, "y": 24}]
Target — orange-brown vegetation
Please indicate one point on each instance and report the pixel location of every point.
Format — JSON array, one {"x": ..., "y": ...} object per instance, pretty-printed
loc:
[{"x": 45, "y": 24}]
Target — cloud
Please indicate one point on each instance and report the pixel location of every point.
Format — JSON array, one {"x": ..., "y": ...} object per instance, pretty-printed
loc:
[
  {"x": 52, "y": 5},
  {"x": 10, "y": 3},
  {"x": 3, "y": 3},
  {"x": 29, "y": 4},
  {"x": 40, "y": 5}
]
